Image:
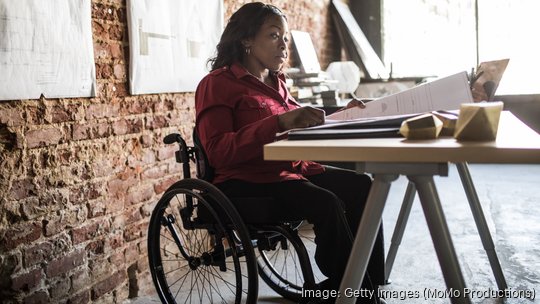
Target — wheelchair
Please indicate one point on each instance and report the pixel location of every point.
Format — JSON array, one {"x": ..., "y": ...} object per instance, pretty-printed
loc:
[{"x": 202, "y": 250}]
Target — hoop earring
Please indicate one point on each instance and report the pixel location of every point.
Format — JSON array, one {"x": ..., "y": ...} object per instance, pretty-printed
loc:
[{"x": 248, "y": 51}]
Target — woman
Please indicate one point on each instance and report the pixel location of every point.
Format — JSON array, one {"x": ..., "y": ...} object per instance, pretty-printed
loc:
[{"x": 241, "y": 105}]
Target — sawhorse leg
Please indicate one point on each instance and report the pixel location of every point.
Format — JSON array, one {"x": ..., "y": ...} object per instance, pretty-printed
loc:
[
  {"x": 365, "y": 237},
  {"x": 401, "y": 223},
  {"x": 478, "y": 216},
  {"x": 384, "y": 175},
  {"x": 440, "y": 235},
  {"x": 481, "y": 224}
]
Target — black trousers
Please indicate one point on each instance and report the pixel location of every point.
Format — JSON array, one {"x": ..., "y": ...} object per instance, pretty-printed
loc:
[{"x": 333, "y": 202}]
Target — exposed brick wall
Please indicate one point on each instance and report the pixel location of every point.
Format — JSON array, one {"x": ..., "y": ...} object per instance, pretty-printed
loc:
[{"x": 79, "y": 177}]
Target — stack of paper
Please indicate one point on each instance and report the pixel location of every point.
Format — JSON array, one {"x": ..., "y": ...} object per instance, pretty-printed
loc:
[{"x": 446, "y": 93}]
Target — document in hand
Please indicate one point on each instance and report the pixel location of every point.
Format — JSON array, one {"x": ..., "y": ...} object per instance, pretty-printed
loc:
[{"x": 446, "y": 93}]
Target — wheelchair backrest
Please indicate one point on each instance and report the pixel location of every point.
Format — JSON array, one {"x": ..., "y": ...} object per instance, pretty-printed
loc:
[{"x": 204, "y": 171}]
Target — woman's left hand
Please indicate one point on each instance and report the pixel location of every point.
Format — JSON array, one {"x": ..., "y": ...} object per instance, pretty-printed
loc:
[{"x": 357, "y": 103}]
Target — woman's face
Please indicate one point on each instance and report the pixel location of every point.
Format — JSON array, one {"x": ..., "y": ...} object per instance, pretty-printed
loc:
[{"x": 268, "y": 49}]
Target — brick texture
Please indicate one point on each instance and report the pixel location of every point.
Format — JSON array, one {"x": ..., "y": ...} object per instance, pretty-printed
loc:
[
  {"x": 64, "y": 264},
  {"x": 80, "y": 176}
]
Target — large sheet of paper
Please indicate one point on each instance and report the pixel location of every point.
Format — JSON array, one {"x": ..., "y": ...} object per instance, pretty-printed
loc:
[
  {"x": 171, "y": 42},
  {"x": 446, "y": 93},
  {"x": 46, "y": 48}
]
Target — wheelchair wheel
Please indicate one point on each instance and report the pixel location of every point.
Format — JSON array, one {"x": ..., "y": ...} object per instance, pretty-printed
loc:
[
  {"x": 279, "y": 264},
  {"x": 199, "y": 249}
]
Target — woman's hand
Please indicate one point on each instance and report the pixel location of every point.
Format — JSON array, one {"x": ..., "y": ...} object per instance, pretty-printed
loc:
[
  {"x": 301, "y": 118},
  {"x": 356, "y": 103}
]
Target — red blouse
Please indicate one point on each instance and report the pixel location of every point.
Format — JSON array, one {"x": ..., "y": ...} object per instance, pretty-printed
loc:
[{"x": 236, "y": 116}]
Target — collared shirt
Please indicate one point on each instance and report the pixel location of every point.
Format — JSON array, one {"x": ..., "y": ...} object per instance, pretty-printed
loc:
[{"x": 237, "y": 115}]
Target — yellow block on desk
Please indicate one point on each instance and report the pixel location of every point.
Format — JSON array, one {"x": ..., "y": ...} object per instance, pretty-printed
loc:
[
  {"x": 449, "y": 122},
  {"x": 478, "y": 121},
  {"x": 425, "y": 126}
]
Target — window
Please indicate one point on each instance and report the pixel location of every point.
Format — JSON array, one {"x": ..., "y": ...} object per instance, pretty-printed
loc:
[
  {"x": 509, "y": 29},
  {"x": 434, "y": 37}
]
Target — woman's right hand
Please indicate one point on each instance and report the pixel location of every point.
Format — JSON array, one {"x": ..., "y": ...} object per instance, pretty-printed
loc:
[{"x": 301, "y": 118}]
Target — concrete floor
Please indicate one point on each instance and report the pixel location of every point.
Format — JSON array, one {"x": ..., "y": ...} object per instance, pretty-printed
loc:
[{"x": 510, "y": 197}]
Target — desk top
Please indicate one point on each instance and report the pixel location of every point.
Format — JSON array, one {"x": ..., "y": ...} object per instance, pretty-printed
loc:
[{"x": 515, "y": 143}]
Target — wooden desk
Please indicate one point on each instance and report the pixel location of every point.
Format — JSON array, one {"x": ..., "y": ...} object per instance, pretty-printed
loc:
[{"x": 387, "y": 158}]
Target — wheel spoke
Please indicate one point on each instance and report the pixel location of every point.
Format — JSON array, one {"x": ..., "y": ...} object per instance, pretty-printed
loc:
[{"x": 186, "y": 267}]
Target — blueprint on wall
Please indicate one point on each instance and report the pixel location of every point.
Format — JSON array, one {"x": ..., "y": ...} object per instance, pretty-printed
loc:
[
  {"x": 171, "y": 42},
  {"x": 46, "y": 48}
]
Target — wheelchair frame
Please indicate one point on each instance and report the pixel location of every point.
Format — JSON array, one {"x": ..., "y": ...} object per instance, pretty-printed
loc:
[{"x": 196, "y": 234}]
